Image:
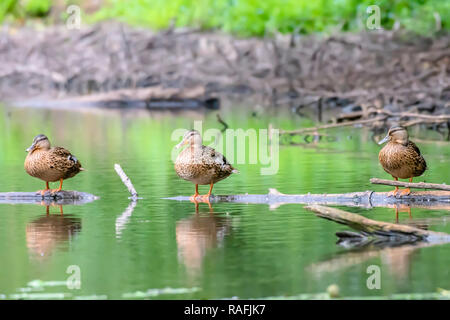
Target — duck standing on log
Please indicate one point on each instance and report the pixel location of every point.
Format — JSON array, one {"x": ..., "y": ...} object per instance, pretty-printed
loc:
[
  {"x": 50, "y": 164},
  {"x": 201, "y": 164},
  {"x": 401, "y": 158}
]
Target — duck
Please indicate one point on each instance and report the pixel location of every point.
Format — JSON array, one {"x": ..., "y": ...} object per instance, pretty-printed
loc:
[
  {"x": 201, "y": 165},
  {"x": 401, "y": 158},
  {"x": 50, "y": 164}
]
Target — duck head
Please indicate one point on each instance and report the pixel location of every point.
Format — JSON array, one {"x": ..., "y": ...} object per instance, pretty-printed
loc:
[
  {"x": 191, "y": 137},
  {"x": 396, "y": 134},
  {"x": 39, "y": 142}
]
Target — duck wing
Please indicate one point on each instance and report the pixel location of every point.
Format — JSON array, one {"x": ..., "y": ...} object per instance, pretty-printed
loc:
[
  {"x": 413, "y": 146},
  {"x": 63, "y": 160},
  {"x": 419, "y": 161},
  {"x": 217, "y": 159}
]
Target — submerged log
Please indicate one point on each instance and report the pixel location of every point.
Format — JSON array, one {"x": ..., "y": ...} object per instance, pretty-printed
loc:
[
  {"x": 369, "y": 227},
  {"x": 367, "y": 199},
  {"x": 62, "y": 197}
]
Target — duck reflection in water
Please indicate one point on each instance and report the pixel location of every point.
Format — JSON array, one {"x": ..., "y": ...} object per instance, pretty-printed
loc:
[
  {"x": 50, "y": 231},
  {"x": 199, "y": 234},
  {"x": 402, "y": 208}
]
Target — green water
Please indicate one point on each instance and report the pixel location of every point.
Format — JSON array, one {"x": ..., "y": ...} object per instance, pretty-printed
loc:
[{"x": 238, "y": 250}]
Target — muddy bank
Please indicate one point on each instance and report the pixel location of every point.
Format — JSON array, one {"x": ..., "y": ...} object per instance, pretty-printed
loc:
[{"x": 354, "y": 73}]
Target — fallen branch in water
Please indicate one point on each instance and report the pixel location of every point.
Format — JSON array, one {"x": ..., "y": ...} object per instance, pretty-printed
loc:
[
  {"x": 333, "y": 125},
  {"x": 355, "y": 119},
  {"x": 127, "y": 182},
  {"x": 433, "y": 118},
  {"x": 367, "y": 199},
  {"x": 377, "y": 228},
  {"x": 418, "y": 185}
]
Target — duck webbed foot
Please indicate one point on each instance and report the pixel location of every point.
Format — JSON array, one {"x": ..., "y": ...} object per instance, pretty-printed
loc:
[
  {"x": 205, "y": 198},
  {"x": 405, "y": 192},
  {"x": 393, "y": 192},
  {"x": 43, "y": 192}
]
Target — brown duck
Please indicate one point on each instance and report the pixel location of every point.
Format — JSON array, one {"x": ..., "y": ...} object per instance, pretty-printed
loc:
[
  {"x": 50, "y": 164},
  {"x": 401, "y": 158},
  {"x": 201, "y": 164}
]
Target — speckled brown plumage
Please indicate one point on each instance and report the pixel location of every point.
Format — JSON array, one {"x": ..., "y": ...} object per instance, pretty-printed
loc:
[
  {"x": 202, "y": 165},
  {"x": 402, "y": 161},
  {"x": 50, "y": 164}
]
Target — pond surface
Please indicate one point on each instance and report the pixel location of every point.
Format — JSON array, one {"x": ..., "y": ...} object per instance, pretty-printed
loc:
[{"x": 166, "y": 250}]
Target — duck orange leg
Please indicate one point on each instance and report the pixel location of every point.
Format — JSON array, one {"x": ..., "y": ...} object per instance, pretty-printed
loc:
[
  {"x": 60, "y": 187},
  {"x": 206, "y": 196},
  {"x": 194, "y": 197},
  {"x": 406, "y": 191},
  {"x": 42, "y": 192},
  {"x": 395, "y": 191}
]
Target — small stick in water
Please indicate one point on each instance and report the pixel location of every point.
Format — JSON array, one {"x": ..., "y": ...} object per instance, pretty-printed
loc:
[{"x": 127, "y": 182}]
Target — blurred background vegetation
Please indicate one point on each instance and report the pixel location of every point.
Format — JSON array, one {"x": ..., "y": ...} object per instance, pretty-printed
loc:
[{"x": 241, "y": 17}]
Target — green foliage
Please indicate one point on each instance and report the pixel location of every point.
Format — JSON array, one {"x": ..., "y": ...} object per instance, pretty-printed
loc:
[
  {"x": 20, "y": 9},
  {"x": 37, "y": 8},
  {"x": 253, "y": 17},
  {"x": 7, "y": 7}
]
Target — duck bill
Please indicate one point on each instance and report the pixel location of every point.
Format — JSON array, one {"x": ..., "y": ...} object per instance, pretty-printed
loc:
[
  {"x": 384, "y": 139},
  {"x": 30, "y": 148},
  {"x": 182, "y": 143}
]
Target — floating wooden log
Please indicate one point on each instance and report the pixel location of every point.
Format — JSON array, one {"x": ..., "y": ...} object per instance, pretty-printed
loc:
[
  {"x": 62, "y": 197},
  {"x": 369, "y": 227},
  {"x": 367, "y": 199},
  {"x": 419, "y": 185}
]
